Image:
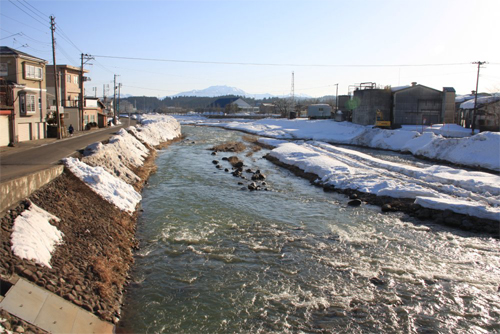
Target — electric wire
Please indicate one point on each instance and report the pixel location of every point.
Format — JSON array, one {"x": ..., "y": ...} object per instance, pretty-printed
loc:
[
  {"x": 10, "y": 18},
  {"x": 277, "y": 64},
  {"x": 34, "y": 18},
  {"x": 39, "y": 11},
  {"x": 31, "y": 10}
]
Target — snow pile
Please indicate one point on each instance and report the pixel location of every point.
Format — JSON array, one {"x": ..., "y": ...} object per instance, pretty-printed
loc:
[
  {"x": 438, "y": 187},
  {"x": 156, "y": 129},
  {"x": 469, "y": 104},
  {"x": 122, "y": 152},
  {"x": 111, "y": 188},
  {"x": 33, "y": 237},
  {"x": 481, "y": 150}
]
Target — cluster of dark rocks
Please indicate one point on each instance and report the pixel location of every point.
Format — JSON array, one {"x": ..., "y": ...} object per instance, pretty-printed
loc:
[
  {"x": 12, "y": 324},
  {"x": 257, "y": 177}
]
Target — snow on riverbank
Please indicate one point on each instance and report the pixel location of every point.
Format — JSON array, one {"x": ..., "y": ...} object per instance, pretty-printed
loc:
[
  {"x": 481, "y": 150},
  {"x": 106, "y": 167},
  {"x": 122, "y": 152},
  {"x": 436, "y": 187},
  {"x": 108, "y": 186},
  {"x": 33, "y": 237},
  {"x": 156, "y": 129}
]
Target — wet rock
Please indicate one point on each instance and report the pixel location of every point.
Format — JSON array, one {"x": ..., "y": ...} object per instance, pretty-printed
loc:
[
  {"x": 249, "y": 171},
  {"x": 467, "y": 224},
  {"x": 219, "y": 166},
  {"x": 226, "y": 170},
  {"x": 424, "y": 214},
  {"x": 215, "y": 162},
  {"x": 328, "y": 187},
  {"x": 452, "y": 221},
  {"x": 214, "y": 153},
  {"x": 386, "y": 208},
  {"x": 225, "y": 159},
  {"x": 258, "y": 176},
  {"x": 253, "y": 186},
  {"x": 353, "y": 196},
  {"x": 377, "y": 281},
  {"x": 354, "y": 202},
  {"x": 240, "y": 183}
]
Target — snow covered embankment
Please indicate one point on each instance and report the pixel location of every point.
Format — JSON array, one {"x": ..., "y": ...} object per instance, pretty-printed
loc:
[
  {"x": 106, "y": 169},
  {"x": 481, "y": 150},
  {"x": 437, "y": 187}
]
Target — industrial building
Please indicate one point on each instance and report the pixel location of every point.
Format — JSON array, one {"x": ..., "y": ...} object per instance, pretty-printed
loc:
[{"x": 406, "y": 105}]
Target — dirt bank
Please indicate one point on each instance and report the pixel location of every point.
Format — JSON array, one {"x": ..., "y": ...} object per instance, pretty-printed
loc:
[
  {"x": 91, "y": 268},
  {"x": 406, "y": 205}
]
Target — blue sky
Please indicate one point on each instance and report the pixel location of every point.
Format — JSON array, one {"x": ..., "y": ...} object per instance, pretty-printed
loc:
[{"x": 334, "y": 33}]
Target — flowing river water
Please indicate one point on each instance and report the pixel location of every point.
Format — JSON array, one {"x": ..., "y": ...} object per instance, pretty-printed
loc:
[{"x": 216, "y": 258}]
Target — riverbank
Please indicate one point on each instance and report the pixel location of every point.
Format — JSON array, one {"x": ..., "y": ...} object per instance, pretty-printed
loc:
[{"x": 90, "y": 266}]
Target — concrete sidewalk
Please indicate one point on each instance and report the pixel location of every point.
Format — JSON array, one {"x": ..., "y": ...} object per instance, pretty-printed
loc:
[{"x": 50, "y": 312}]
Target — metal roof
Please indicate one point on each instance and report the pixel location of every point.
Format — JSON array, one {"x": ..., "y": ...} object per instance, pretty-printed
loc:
[{"x": 6, "y": 51}]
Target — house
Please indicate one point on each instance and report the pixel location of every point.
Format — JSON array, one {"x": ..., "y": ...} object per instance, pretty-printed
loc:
[
  {"x": 23, "y": 108},
  {"x": 405, "y": 105},
  {"x": 94, "y": 113},
  {"x": 487, "y": 113},
  {"x": 229, "y": 105},
  {"x": 69, "y": 93},
  {"x": 267, "y": 108}
]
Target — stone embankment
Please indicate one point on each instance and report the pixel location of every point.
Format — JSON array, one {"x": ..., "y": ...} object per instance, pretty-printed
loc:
[
  {"x": 91, "y": 267},
  {"x": 406, "y": 205}
]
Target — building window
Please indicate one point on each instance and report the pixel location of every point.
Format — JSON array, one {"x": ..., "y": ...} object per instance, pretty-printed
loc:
[
  {"x": 75, "y": 79},
  {"x": 33, "y": 72},
  {"x": 4, "y": 69},
  {"x": 68, "y": 78},
  {"x": 30, "y": 104}
]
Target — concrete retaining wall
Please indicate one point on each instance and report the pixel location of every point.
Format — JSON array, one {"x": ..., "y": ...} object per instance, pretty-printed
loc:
[{"x": 14, "y": 191}]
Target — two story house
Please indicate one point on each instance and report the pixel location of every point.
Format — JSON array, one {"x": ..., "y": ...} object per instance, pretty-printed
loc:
[
  {"x": 24, "y": 90},
  {"x": 69, "y": 93}
]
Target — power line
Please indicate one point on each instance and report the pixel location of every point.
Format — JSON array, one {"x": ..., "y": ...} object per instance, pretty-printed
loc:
[
  {"x": 25, "y": 12},
  {"x": 277, "y": 64},
  {"x": 161, "y": 90},
  {"x": 32, "y": 39},
  {"x": 43, "y": 14},
  {"x": 31, "y": 10},
  {"x": 66, "y": 37},
  {"x": 10, "y": 18},
  {"x": 10, "y": 36}
]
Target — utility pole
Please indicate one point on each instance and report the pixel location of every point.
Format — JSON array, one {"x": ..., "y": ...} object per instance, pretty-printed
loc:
[
  {"x": 118, "y": 110},
  {"x": 479, "y": 63},
  {"x": 114, "y": 101},
  {"x": 58, "y": 116},
  {"x": 337, "y": 98},
  {"x": 85, "y": 57},
  {"x": 293, "y": 93}
]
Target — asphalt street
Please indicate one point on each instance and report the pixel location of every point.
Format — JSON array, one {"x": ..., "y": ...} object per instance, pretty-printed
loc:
[{"x": 33, "y": 156}]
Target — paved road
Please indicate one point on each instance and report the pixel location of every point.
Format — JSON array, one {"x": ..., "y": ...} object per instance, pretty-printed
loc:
[{"x": 32, "y": 157}]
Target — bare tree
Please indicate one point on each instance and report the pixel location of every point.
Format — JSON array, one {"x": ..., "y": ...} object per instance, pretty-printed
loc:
[{"x": 283, "y": 106}]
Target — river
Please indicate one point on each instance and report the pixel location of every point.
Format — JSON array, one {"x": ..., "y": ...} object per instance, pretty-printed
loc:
[{"x": 218, "y": 258}]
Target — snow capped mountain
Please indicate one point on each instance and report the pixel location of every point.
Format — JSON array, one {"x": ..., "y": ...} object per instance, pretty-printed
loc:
[{"x": 214, "y": 91}]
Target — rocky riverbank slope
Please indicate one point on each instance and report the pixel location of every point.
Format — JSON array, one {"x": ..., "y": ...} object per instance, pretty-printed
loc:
[{"x": 90, "y": 267}]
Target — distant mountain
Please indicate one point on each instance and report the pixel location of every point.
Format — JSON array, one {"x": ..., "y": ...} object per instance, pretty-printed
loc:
[{"x": 214, "y": 91}]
